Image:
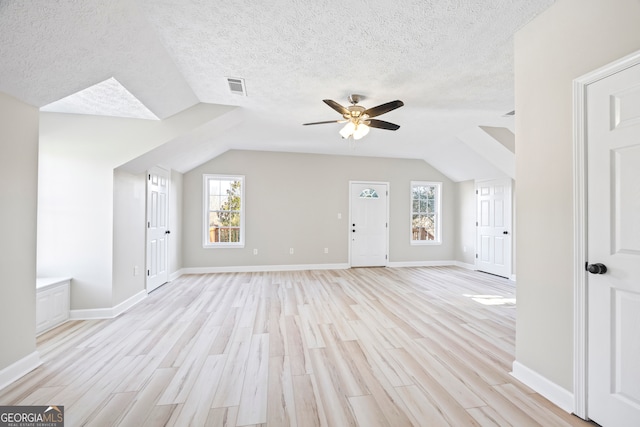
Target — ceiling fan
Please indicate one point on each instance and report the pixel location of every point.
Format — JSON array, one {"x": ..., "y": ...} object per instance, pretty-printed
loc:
[{"x": 358, "y": 119}]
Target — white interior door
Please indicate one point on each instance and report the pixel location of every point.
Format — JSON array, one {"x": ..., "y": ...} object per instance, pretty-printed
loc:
[
  {"x": 368, "y": 226},
  {"x": 493, "y": 247},
  {"x": 613, "y": 236},
  {"x": 157, "y": 227}
]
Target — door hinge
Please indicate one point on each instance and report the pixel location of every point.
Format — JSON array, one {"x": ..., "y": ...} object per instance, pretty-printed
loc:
[
  {"x": 476, "y": 223},
  {"x": 149, "y": 224},
  {"x": 148, "y": 272},
  {"x": 149, "y": 177},
  {"x": 386, "y": 224},
  {"x": 386, "y": 257},
  {"x": 476, "y": 191},
  {"x": 476, "y": 255}
]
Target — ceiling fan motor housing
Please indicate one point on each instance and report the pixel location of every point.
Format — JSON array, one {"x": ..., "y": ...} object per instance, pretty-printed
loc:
[{"x": 355, "y": 111}]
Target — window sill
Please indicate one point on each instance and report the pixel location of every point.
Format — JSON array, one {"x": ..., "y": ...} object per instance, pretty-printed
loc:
[{"x": 224, "y": 246}]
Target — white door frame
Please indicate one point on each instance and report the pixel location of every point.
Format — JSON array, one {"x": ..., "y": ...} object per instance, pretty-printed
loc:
[
  {"x": 580, "y": 314},
  {"x": 387, "y": 213}
]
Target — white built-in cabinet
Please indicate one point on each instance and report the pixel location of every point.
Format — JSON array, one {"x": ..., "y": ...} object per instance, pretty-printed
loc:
[{"x": 52, "y": 302}]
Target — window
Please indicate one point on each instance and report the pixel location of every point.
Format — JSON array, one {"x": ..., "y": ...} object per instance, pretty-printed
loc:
[
  {"x": 223, "y": 211},
  {"x": 368, "y": 193},
  {"x": 425, "y": 213}
]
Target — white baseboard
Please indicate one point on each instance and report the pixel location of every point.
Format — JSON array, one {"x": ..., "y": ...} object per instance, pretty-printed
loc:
[
  {"x": 439, "y": 263},
  {"x": 18, "y": 369},
  {"x": 420, "y": 263},
  {"x": 258, "y": 268},
  {"x": 108, "y": 313},
  {"x": 299, "y": 267},
  {"x": 550, "y": 390},
  {"x": 128, "y": 303},
  {"x": 176, "y": 275},
  {"x": 465, "y": 265}
]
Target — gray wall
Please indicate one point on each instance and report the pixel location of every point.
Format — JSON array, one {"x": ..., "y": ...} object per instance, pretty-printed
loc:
[
  {"x": 571, "y": 38},
  {"x": 293, "y": 201},
  {"x": 129, "y": 244},
  {"x": 465, "y": 208},
  {"x": 175, "y": 223},
  {"x": 18, "y": 201},
  {"x": 77, "y": 200}
]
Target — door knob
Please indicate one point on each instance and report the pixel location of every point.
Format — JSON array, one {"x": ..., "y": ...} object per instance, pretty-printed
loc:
[
  {"x": 597, "y": 268},
  {"x": 505, "y": 232},
  {"x": 167, "y": 232}
]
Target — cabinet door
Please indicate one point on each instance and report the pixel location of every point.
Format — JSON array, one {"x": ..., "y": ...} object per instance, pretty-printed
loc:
[
  {"x": 59, "y": 309},
  {"x": 43, "y": 314}
]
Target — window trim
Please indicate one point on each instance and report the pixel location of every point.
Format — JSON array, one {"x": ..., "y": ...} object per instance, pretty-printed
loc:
[
  {"x": 205, "y": 211},
  {"x": 438, "y": 213}
]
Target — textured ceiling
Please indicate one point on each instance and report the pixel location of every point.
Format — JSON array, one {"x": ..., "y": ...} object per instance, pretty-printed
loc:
[{"x": 451, "y": 62}]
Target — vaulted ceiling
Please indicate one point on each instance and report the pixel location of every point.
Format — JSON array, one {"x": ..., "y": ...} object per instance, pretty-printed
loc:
[{"x": 450, "y": 62}]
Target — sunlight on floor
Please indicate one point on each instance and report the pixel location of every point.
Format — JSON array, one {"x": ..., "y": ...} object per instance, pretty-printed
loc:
[{"x": 491, "y": 299}]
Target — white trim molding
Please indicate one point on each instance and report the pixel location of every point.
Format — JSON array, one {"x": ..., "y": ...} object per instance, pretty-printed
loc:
[
  {"x": 176, "y": 275},
  {"x": 303, "y": 267},
  {"x": 19, "y": 369},
  {"x": 464, "y": 265},
  {"x": 580, "y": 238},
  {"x": 437, "y": 263},
  {"x": 108, "y": 313},
  {"x": 259, "y": 268},
  {"x": 541, "y": 385}
]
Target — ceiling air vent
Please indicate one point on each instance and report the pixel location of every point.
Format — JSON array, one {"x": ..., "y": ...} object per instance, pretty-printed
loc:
[{"x": 236, "y": 86}]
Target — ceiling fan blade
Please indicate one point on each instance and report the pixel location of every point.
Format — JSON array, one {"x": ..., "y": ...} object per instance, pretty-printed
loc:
[
  {"x": 339, "y": 108},
  {"x": 381, "y": 124},
  {"x": 384, "y": 108},
  {"x": 322, "y": 123}
]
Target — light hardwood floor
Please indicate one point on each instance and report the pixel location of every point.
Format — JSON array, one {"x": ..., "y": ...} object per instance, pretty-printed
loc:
[{"x": 367, "y": 346}]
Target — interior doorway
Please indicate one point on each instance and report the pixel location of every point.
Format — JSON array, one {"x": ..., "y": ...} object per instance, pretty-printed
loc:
[
  {"x": 607, "y": 243},
  {"x": 494, "y": 227},
  {"x": 157, "y": 227}
]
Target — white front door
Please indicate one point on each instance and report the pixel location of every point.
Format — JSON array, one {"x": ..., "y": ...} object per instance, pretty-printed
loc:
[
  {"x": 613, "y": 235},
  {"x": 368, "y": 224},
  {"x": 157, "y": 228},
  {"x": 493, "y": 253}
]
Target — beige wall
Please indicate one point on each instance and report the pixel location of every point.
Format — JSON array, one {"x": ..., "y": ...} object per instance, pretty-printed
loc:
[
  {"x": 78, "y": 193},
  {"x": 571, "y": 38},
  {"x": 175, "y": 223},
  {"x": 129, "y": 247},
  {"x": 293, "y": 201},
  {"x": 465, "y": 208},
  {"x": 18, "y": 198}
]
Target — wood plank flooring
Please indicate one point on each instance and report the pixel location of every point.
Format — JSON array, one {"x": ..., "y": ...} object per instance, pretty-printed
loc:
[{"x": 359, "y": 347}]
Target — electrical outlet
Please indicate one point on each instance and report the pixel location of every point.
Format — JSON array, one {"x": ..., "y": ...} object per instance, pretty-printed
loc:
[
  {"x": 255, "y": 252},
  {"x": 326, "y": 250},
  {"x": 290, "y": 251}
]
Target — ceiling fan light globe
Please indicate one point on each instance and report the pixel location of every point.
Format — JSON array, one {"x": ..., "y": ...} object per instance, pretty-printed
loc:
[
  {"x": 361, "y": 130},
  {"x": 348, "y": 130}
]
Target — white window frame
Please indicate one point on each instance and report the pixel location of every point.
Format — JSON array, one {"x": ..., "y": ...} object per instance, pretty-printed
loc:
[
  {"x": 438, "y": 212},
  {"x": 205, "y": 211}
]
